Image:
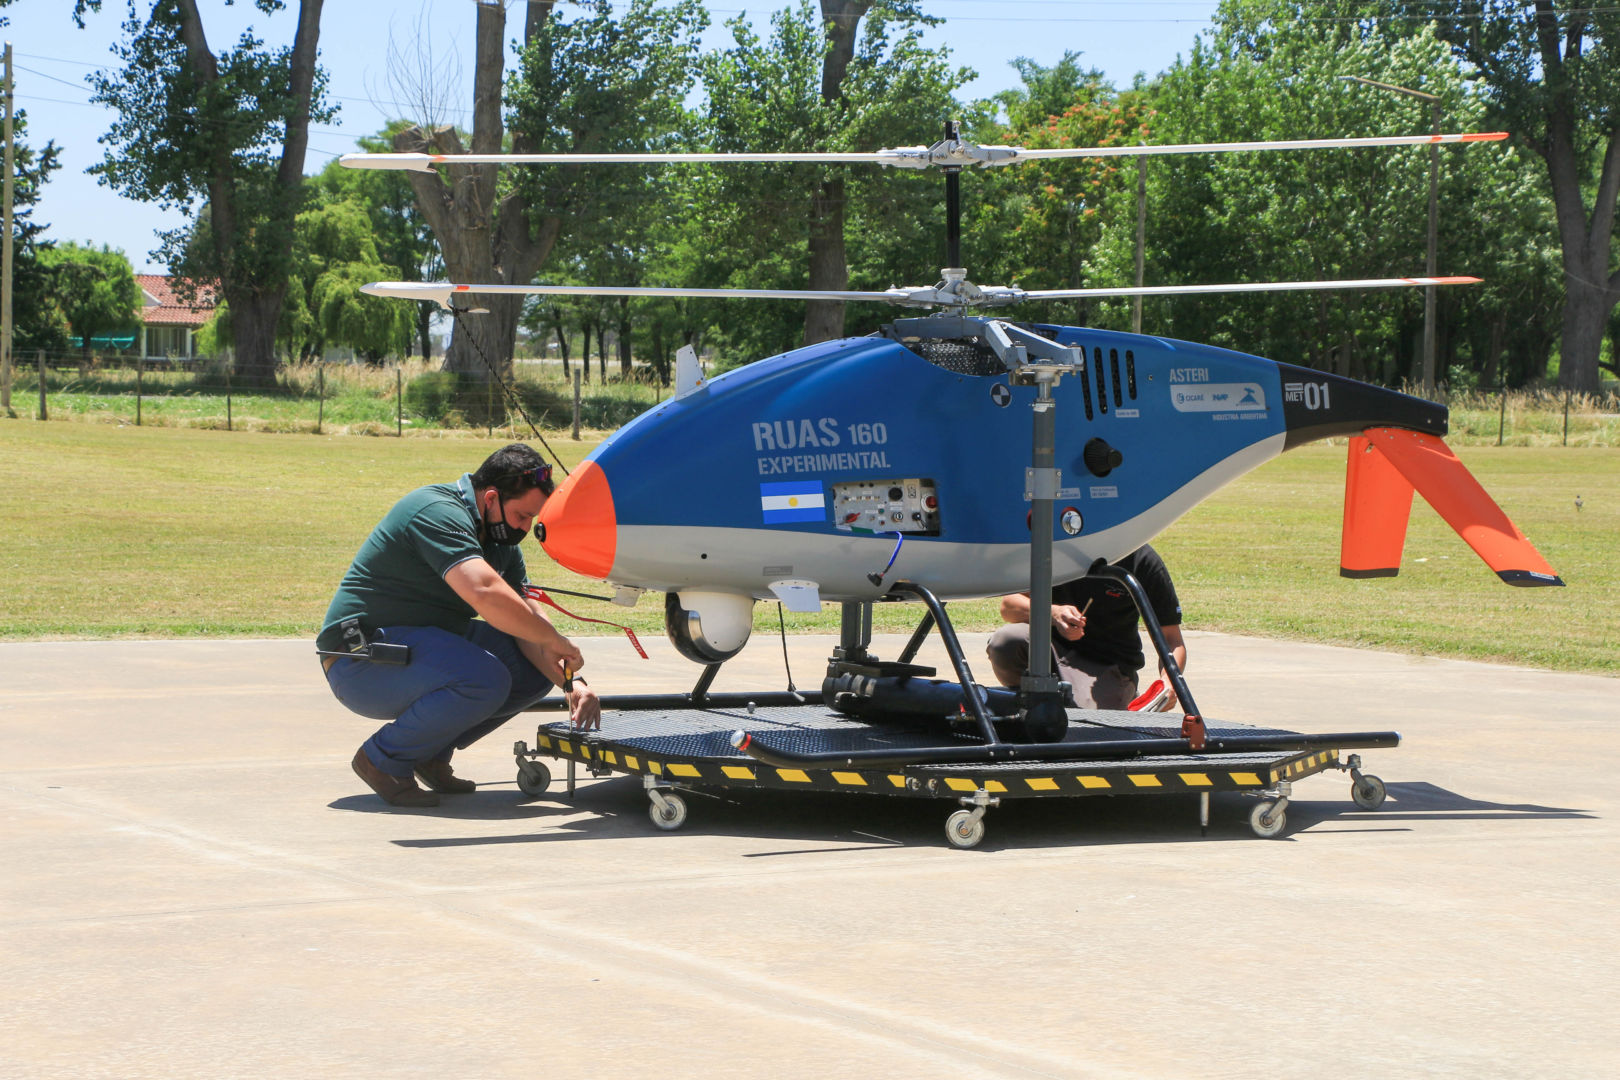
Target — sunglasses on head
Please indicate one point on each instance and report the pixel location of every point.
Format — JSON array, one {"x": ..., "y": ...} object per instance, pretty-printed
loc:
[{"x": 539, "y": 476}]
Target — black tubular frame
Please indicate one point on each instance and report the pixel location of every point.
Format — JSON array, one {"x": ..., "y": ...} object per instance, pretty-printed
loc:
[
  {"x": 1194, "y": 740},
  {"x": 1101, "y": 750},
  {"x": 953, "y": 649},
  {"x": 1150, "y": 620}
]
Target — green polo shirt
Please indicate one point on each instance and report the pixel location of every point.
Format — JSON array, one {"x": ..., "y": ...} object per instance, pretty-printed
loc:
[{"x": 397, "y": 579}]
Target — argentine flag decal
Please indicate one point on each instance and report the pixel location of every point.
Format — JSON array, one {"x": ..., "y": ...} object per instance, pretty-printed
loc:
[{"x": 800, "y": 500}]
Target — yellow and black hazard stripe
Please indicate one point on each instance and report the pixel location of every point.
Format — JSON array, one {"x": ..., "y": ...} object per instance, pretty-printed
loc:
[
  {"x": 1305, "y": 765},
  {"x": 1197, "y": 774}
]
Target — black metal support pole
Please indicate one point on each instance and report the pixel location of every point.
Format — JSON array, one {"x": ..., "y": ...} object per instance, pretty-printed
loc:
[
  {"x": 854, "y": 632},
  {"x": 1040, "y": 690},
  {"x": 918, "y": 636},
  {"x": 953, "y": 648},
  {"x": 700, "y": 692},
  {"x": 1155, "y": 633}
]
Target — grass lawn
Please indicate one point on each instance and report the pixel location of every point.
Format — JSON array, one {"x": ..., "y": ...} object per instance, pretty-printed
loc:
[{"x": 112, "y": 531}]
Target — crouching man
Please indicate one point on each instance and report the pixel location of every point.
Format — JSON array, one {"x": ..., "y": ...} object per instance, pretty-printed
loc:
[
  {"x": 1096, "y": 640},
  {"x": 442, "y": 575}
]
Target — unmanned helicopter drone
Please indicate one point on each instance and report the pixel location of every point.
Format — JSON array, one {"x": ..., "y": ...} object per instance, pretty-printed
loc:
[{"x": 854, "y": 470}]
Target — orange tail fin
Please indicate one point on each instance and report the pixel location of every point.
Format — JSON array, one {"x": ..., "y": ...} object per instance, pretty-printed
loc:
[
  {"x": 1377, "y": 506},
  {"x": 1428, "y": 465}
]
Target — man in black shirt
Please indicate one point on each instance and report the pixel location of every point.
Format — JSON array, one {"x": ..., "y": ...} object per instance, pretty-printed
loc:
[{"x": 1096, "y": 644}]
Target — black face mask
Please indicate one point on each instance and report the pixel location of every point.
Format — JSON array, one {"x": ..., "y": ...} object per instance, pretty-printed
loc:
[{"x": 498, "y": 531}]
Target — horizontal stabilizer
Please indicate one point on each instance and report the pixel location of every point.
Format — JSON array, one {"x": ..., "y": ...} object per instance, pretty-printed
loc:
[
  {"x": 1377, "y": 506},
  {"x": 1428, "y": 464}
]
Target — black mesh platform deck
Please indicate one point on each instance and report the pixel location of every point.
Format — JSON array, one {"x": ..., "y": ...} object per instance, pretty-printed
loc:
[{"x": 693, "y": 746}]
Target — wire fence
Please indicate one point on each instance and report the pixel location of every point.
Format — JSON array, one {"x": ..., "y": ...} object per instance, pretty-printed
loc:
[
  {"x": 316, "y": 397},
  {"x": 390, "y": 399}
]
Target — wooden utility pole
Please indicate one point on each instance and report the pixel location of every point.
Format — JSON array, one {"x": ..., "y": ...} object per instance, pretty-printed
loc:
[
  {"x": 1141, "y": 238},
  {"x": 5, "y": 247}
]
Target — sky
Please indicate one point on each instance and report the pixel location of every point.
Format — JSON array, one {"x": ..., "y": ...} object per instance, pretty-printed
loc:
[{"x": 51, "y": 59}]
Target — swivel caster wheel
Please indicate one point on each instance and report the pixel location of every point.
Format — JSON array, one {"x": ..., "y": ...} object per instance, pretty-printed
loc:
[
  {"x": 671, "y": 815},
  {"x": 533, "y": 778},
  {"x": 1368, "y": 792},
  {"x": 1266, "y": 820},
  {"x": 963, "y": 830}
]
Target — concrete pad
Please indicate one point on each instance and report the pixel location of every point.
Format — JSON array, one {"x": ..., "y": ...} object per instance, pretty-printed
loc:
[{"x": 197, "y": 886}]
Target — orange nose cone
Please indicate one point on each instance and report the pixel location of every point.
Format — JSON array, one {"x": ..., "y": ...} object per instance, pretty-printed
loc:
[{"x": 581, "y": 531}]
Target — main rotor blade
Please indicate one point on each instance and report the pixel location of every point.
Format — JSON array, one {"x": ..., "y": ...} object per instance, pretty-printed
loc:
[
  {"x": 440, "y": 292},
  {"x": 1223, "y": 148},
  {"x": 1241, "y": 287},
  {"x": 950, "y": 153},
  {"x": 947, "y": 295},
  {"x": 425, "y": 162}
]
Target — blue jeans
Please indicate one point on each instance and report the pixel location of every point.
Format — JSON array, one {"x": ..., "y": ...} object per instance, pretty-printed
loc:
[{"x": 455, "y": 690}]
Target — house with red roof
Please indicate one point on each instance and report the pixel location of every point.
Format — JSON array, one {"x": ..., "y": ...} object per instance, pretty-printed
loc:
[{"x": 168, "y": 322}]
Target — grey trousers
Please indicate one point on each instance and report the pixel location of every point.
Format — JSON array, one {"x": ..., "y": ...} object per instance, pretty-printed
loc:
[{"x": 1096, "y": 685}]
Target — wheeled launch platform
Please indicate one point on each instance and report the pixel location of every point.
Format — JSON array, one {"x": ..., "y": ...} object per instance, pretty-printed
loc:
[
  {"x": 889, "y": 728},
  {"x": 673, "y": 749}
]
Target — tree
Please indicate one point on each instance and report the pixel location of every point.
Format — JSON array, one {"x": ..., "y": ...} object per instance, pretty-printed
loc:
[
  {"x": 1267, "y": 73},
  {"x": 228, "y": 130},
  {"x": 1551, "y": 73},
  {"x": 94, "y": 290},
  {"x": 37, "y": 323},
  {"x": 1036, "y": 224},
  {"x": 484, "y": 230},
  {"x": 608, "y": 82},
  {"x": 402, "y": 237},
  {"x": 335, "y": 253},
  {"x": 822, "y": 84}
]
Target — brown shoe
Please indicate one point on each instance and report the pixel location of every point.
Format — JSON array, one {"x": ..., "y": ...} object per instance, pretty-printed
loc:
[
  {"x": 395, "y": 790},
  {"x": 439, "y": 776}
]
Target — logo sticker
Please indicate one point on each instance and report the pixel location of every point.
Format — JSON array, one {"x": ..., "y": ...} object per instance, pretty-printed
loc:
[
  {"x": 1312, "y": 395},
  {"x": 1219, "y": 397},
  {"x": 1001, "y": 395},
  {"x": 799, "y": 500}
]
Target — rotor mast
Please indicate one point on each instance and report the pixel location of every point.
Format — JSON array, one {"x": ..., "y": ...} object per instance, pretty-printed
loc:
[{"x": 953, "y": 200}]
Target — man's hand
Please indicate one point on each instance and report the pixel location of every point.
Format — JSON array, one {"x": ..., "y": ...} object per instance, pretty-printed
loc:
[
  {"x": 1170, "y": 692},
  {"x": 584, "y": 708},
  {"x": 1069, "y": 621},
  {"x": 559, "y": 661}
]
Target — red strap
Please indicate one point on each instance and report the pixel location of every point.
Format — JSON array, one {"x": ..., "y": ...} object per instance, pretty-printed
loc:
[
  {"x": 534, "y": 592},
  {"x": 1147, "y": 695}
]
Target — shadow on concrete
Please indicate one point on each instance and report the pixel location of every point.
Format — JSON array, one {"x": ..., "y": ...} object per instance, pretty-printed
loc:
[
  {"x": 617, "y": 808},
  {"x": 1425, "y": 802},
  {"x": 496, "y": 803},
  {"x": 1429, "y": 797}
]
